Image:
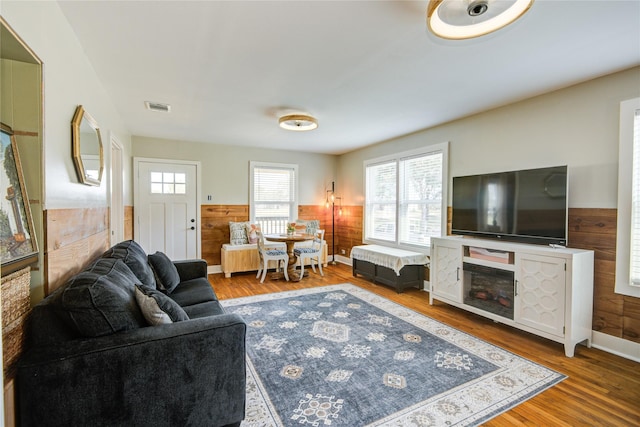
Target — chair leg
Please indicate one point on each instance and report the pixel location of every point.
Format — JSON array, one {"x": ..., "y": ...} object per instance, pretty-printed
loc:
[
  {"x": 264, "y": 272},
  {"x": 301, "y": 267},
  {"x": 319, "y": 265},
  {"x": 286, "y": 268}
]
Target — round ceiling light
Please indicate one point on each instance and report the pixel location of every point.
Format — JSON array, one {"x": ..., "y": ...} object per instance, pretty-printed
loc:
[
  {"x": 298, "y": 122},
  {"x": 465, "y": 19}
]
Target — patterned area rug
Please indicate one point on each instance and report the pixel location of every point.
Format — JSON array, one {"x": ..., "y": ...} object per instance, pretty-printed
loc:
[{"x": 342, "y": 356}]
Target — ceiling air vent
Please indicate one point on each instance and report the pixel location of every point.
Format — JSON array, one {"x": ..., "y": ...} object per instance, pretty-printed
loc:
[{"x": 157, "y": 106}]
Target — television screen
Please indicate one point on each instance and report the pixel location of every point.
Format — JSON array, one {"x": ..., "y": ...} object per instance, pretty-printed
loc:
[{"x": 526, "y": 205}]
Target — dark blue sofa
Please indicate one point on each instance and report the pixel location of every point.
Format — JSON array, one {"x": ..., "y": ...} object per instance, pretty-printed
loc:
[{"x": 94, "y": 360}]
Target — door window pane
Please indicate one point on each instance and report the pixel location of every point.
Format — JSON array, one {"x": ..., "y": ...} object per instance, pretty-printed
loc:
[{"x": 168, "y": 183}]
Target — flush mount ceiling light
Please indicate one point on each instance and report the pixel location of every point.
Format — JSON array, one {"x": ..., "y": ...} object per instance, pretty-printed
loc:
[
  {"x": 465, "y": 19},
  {"x": 298, "y": 122}
]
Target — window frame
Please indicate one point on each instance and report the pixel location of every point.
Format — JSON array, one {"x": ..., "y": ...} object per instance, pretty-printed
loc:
[
  {"x": 443, "y": 149},
  {"x": 253, "y": 165},
  {"x": 623, "y": 285}
]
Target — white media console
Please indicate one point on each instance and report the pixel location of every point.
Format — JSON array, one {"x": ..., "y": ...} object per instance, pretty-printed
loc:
[{"x": 544, "y": 290}]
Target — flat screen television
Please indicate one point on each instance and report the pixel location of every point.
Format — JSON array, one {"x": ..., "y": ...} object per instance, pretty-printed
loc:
[{"x": 524, "y": 205}]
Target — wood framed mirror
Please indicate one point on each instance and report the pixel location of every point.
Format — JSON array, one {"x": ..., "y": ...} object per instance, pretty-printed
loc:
[{"x": 86, "y": 142}]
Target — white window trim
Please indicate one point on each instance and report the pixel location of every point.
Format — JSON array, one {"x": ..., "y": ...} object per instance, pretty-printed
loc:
[
  {"x": 255, "y": 164},
  {"x": 442, "y": 147},
  {"x": 625, "y": 173}
]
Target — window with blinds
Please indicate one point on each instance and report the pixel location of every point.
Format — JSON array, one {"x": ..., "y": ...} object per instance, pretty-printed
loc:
[
  {"x": 635, "y": 204},
  {"x": 274, "y": 192},
  {"x": 404, "y": 197},
  {"x": 381, "y": 202},
  {"x": 628, "y": 233}
]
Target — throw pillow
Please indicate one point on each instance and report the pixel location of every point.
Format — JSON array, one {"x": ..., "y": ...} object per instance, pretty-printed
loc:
[
  {"x": 238, "y": 233},
  {"x": 311, "y": 225},
  {"x": 252, "y": 232},
  {"x": 157, "y": 308},
  {"x": 101, "y": 299},
  {"x": 166, "y": 273},
  {"x": 136, "y": 259}
]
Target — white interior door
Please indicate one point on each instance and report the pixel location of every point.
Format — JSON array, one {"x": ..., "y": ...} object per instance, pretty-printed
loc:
[{"x": 166, "y": 207}]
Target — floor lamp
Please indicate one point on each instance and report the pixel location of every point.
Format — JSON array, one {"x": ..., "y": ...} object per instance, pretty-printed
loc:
[{"x": 331, "y": 201}]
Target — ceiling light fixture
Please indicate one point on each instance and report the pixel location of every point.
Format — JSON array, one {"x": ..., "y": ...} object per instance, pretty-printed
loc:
[
  {"x": 298, "y": 122},
  {"x": 465, "y": 19}
]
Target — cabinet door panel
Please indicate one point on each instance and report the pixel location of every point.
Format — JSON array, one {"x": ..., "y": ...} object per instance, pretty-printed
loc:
[
  {"x": 540, "y": 292},
  {"x": 447, "y": 274}
]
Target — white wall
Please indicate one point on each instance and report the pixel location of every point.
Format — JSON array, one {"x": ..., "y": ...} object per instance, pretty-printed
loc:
[
  {"x": 225, "y": 168},
  {"x": 577, "y": 126},
  {"x": 69, "y": 80}
]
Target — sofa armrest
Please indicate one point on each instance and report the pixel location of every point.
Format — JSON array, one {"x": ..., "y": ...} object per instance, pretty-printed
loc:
[
  {"x": 191, "y": 269},
  {"x": 186, "y": 373}
]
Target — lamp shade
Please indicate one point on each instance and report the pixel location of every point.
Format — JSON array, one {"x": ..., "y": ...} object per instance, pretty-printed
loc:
[{"x": 465, "y": 19}]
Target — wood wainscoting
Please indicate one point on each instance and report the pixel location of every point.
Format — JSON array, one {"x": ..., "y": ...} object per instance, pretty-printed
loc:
[
  {"x": 613, "y": 314},
  {"x": 215, "y": 228},
  {"x": 128, "y": 223},
  {"x": 73, "y": 238},
  {"x": 215, "y": 225}
]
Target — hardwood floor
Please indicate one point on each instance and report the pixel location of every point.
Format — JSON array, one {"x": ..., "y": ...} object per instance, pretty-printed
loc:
[{"x": 601, "y": 389}]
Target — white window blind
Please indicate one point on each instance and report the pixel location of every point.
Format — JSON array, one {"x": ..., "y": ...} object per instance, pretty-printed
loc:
[
  {"x": 403, "y": 197},
  {"x": 273, "y": 195},
  {"x": 420, "y": 198},
  {"x": 635, "y": 204},
  {"x": 381, "y": 194}
]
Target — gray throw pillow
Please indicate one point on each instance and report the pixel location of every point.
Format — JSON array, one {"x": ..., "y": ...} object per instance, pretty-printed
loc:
[
  {"x": 101, "y": 299},
  {"x": 157, "y": 308},
  {"x": 166, "y": 273}
]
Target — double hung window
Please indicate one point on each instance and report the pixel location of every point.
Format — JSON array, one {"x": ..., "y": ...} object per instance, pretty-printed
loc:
[
  {"x": 628, "y": 237},
  {"x": 274, "y": 195},
  {"x": 405, "y": 197}
]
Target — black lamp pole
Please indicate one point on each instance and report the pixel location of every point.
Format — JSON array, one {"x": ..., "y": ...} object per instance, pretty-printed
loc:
[{"x": 333, "y": 221}]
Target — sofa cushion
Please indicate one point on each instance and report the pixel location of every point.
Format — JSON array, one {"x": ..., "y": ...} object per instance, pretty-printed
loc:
[
  {"x": 157, "y": 308},
  {"x": 166, "y": 273},
  {"x": 204, "y": 309},
  {"x": 101, "y": 299},
  {"x": 136, "y": 259},
  {"x": 238, "y": 232},
  {"x": 193, "y": 291}
]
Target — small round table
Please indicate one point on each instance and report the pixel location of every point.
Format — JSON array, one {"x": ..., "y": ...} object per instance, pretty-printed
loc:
[{"x": 290, "y": 240}]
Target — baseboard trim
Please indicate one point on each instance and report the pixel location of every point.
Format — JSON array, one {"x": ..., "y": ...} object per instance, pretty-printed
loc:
[
  {"x": 214, "y": 269},
  {"x": 618, "y": 346},
  {"x": 341, "y": 259}
]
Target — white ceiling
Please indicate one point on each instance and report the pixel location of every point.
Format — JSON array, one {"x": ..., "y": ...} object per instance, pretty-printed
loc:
[{"x": 367, "y": 70}]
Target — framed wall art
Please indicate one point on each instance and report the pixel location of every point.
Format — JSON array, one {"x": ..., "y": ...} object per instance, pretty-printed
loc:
[{"x": 18, "y": 246}]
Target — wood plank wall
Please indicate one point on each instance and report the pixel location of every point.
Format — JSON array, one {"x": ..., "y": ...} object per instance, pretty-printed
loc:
[
  {"x": 613, "y": 314},
  {"x": 73, "y": 238},
  {"x": 128, "y": 223},
  {"x": 215, "y": 225}
]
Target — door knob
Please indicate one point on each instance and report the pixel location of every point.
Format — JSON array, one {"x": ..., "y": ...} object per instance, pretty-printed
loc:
[
  {"x": 193, "y": 228},
  {"x": 193, "y": 220}
]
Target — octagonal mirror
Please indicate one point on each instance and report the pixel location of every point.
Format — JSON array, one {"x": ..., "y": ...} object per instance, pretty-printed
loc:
[{"x": 87, "y": 148}]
